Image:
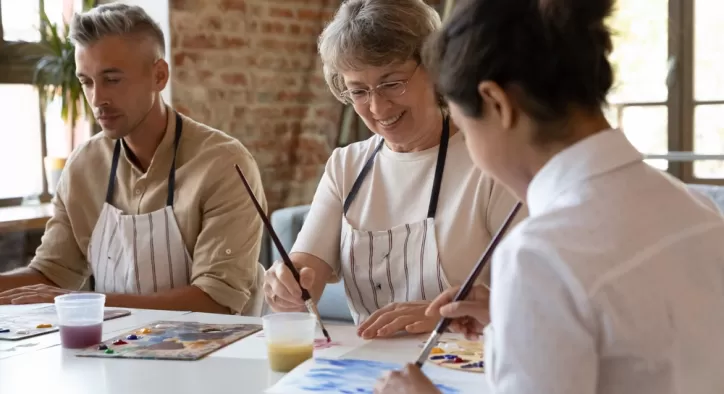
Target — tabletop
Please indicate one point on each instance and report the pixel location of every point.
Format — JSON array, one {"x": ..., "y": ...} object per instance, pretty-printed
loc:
[{"x": 241, "y": 367}]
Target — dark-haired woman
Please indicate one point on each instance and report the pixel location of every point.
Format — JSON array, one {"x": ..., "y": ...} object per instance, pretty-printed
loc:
[{"x": 615, "y": 283}]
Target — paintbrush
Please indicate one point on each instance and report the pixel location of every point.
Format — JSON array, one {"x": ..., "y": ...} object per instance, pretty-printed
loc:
[
  {"x": 444, "y": 322},
  {"x": 311, "y": 307}
]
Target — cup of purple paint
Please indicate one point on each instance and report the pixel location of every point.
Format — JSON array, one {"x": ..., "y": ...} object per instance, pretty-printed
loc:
[{"x": 80, "y": 319}]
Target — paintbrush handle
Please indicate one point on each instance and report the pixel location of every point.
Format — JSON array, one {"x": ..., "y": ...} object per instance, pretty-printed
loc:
[
  {"x": 464, "y": 290},
  {"x": 285, "y": 257}
]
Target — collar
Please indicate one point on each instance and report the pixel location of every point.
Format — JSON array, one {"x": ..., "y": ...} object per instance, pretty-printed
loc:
[{"x": 595, "y": 155}]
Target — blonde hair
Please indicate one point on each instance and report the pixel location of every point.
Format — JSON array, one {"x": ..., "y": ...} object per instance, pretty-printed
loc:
[
  {"x": 374, "y": 33},
  {"x": 115, "y": 20}
]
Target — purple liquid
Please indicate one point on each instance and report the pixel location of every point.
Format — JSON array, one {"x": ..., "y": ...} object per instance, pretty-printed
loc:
[{"x": 78, "y": 337}]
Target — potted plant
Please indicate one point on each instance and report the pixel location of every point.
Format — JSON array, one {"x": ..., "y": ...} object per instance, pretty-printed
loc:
[{"x": 53, "y": 63}]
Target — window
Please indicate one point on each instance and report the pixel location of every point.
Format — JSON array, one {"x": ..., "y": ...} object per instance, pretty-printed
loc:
[
  {"x": 669, "y": 95},
  {"x": 26, "y": 135}
]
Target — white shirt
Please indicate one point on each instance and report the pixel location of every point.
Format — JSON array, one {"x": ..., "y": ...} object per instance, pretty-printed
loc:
[
  {"x": 614, "y": 284},
  {"x": 397, "y": 191}
]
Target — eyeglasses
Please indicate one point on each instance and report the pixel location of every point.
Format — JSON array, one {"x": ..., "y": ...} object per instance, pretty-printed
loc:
[{"x": 387, "y": 90}]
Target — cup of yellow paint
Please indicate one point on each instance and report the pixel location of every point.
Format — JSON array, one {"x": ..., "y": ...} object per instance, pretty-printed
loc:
[{"x": 289, "y": 339}]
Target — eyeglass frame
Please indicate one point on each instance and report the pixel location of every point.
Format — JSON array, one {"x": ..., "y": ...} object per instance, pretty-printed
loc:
[{"x": 369, "y": 92}]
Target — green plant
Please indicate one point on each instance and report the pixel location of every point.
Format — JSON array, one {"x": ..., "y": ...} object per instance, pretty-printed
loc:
[
  {"x": 54, "y": 73},
  {"x": 52, "y": 60}
]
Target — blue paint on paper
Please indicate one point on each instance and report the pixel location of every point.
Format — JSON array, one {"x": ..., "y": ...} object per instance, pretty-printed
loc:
[{"x": 348, "y": 376}]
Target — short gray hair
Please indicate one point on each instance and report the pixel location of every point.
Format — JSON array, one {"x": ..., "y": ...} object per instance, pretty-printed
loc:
[
  {"x": 374, "y": 33},
  {"x": 115, "y": 20}
]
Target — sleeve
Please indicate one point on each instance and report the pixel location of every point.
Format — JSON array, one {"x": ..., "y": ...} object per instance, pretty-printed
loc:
[
  {"x": 226, "y": 252},
  {"x": 59, "y": 258},
  {"x": 321, "y": 233},
  {"x": 541, "y": 337}
]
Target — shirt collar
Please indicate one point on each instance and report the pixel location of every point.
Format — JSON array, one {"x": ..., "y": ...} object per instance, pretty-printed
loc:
[
  {"x": 597, "y": 154},
  {"x": 163, "y": 147}
]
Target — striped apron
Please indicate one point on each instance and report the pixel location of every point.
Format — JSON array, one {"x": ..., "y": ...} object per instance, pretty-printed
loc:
[
  {"x": 395, "y": 265},
  {"x": 139, "y": 254}
]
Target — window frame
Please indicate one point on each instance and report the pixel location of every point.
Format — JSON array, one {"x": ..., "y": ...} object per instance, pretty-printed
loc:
[
  {"x": 20, "y": 72},
  {"x": 681, "y": 103}
]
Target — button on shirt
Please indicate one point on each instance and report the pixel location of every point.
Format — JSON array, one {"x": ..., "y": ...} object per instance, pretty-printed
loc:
[
  {"x": 613, "y": 284},
  {"x": 218, "y": 222}
]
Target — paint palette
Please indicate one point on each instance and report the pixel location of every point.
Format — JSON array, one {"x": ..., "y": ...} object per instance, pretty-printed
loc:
[
  {"x": 458, "y": 354},
  {"x": 40, "y": 321},
  {"x": 171, "y": 340}
]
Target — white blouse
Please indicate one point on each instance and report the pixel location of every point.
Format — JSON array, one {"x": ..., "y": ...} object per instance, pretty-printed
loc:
[{"x": 614, "y": 284}]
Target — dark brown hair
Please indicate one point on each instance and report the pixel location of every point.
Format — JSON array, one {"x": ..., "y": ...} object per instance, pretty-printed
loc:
[{"x": 555, "y": 52}]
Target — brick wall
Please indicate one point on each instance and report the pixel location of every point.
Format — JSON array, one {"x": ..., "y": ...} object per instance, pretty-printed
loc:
[{"x": 250, "y": 68}]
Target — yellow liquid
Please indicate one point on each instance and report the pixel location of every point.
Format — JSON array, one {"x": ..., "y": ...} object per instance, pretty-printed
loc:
[{"x": 285, "y": 357}]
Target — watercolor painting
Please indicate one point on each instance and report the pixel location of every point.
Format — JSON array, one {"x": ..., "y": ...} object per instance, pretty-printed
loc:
[{"x": 355, "y": 376}]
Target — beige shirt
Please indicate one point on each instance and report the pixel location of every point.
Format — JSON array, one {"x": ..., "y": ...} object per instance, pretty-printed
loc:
[
  {"x": 217, "y": 219},
  {"x": 471, "y": 206}
]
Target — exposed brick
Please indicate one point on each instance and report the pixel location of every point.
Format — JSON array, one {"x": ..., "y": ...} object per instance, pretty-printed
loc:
[
  {"x": 278, "y": 12},
  {"x": 233, "y": 5},
  {"x": 273, "y": 27},
  {"x": 250, "y": 68},
  {"x": 199, "y": 41},
  {"x": 235, "y": 78},
  {"x": 233, "y": 42}
]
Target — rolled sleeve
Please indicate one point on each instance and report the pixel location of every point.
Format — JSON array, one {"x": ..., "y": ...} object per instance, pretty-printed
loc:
[
  {"x": 228, "y": 246},
  {"x": 59, "y": 257}
]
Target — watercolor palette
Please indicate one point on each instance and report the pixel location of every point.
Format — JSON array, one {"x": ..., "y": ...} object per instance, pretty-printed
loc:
[
  {"x": 357, "y": 376},
  {"x": 171, "y": 340},
  {"x": 458, "y": 354}
]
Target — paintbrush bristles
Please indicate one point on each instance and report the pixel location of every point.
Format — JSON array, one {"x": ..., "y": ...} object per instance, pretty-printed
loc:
[{"x": 285, "y": 257}]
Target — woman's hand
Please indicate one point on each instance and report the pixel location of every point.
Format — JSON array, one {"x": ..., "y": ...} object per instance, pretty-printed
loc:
[
  {"x": 408, "y": 381},
  {"x": 470, "y": 315},
  {"x": 396, "y": 317},
  {"x": 281, "y": 290}
]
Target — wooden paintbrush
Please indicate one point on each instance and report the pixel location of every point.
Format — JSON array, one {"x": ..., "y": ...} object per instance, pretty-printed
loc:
[
  {"x": 467, "y": 286},
  {"x": 311, "y": 307}
]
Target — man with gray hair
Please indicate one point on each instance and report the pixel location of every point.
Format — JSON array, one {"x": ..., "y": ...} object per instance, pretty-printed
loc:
[{"x": 151, "y": 211}]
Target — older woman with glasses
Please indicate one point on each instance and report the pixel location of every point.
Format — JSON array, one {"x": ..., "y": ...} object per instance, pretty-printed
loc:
[{"x": 404, "y": 215}]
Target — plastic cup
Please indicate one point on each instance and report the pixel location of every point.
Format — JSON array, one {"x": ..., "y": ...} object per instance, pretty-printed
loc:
[
  {"x": 289, "y": 339},
  {"x": 80, "y": 319}
]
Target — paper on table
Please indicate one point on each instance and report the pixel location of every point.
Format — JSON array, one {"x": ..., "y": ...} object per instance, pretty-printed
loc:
[{"x": 359, "y": 376}]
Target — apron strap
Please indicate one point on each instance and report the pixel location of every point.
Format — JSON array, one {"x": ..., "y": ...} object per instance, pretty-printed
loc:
[
  {"x": 360, "y": 178},
  {"x": 172, "y": 171},
  {"x": 439, "y": 168},
  {"x": 114, "y": 167},
  {"x": 171, "y": 174}
]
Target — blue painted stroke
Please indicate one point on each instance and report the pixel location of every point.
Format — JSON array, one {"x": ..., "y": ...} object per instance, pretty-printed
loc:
[{"x": 349, "y": 376}]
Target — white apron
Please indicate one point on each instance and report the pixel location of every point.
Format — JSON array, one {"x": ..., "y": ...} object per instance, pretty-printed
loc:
[
  {"x": 395, "y": 265},
  {"x": 138, "y": 254}
]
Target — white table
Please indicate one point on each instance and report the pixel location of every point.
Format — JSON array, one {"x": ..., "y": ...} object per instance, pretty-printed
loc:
[{"x": 241, "y": 367}]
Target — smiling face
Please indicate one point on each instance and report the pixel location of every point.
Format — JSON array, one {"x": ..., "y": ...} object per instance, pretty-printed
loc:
[
  {"x": 121, "y": 80},
  {"x": 404, "y": 121}
]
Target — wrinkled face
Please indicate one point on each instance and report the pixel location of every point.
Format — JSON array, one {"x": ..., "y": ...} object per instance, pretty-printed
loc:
[
  {"x": 402, "y": 109},
  {"x": 121, "y": 79}
]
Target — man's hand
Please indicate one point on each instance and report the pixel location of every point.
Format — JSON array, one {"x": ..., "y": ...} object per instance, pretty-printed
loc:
[
  {"x": 408, "y": 381},
  {"x": 393, "y": 318},
  {"x": 33, "y": 294}
]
